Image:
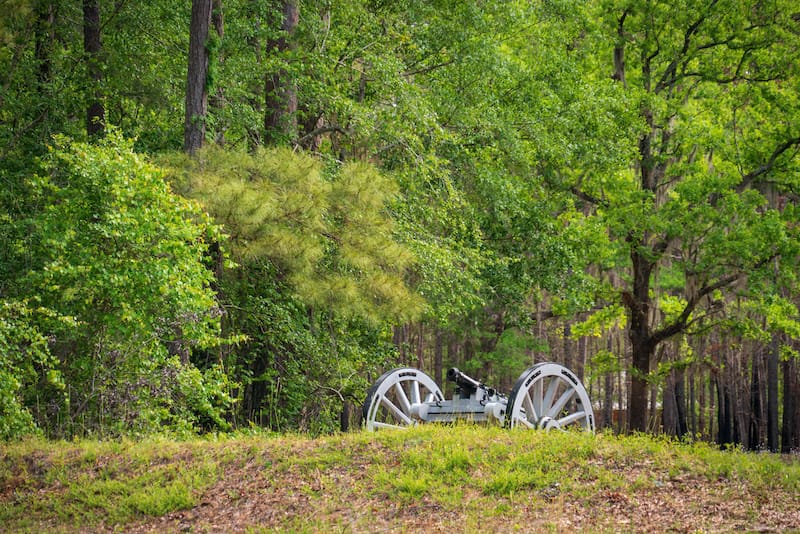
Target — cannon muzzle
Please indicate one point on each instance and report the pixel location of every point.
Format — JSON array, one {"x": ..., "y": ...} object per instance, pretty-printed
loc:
[{"x": 466, "y": 383}]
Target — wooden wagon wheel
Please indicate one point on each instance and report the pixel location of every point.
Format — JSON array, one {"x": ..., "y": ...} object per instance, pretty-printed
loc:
[
  {"x": 548, "y": 396},
  {"x": 392, "y": 400}
]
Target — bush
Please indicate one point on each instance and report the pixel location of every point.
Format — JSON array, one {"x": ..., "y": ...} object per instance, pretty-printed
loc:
[{"x": 109, "y": 246}]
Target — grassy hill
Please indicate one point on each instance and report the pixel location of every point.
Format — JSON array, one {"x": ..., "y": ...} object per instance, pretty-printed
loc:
[{"x": 438, "y": 479}]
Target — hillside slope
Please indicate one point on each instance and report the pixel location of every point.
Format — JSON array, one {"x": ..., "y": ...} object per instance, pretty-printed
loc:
[{"x": 437, "y": 479}]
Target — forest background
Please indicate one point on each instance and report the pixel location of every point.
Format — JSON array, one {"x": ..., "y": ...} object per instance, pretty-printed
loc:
[{"x": 233, "y": 213}]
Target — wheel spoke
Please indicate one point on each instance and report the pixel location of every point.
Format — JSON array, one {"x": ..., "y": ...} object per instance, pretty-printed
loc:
[
  {"x": 536, "y": 398},
  {"x": 548, "y": 398},
  {"x": 399, "y": 415},
  {"x": 391, "y": 400},
  {"x": 562, "y": 401},
  {"x": 378, "y": 424},
  {"x": 415, "y": 398},
  {"x": 402, "y": 398},
  {"x": 526, "y": 422},
  {"x": 530, "y": 410},
  {"x": 571, "y": 418}
]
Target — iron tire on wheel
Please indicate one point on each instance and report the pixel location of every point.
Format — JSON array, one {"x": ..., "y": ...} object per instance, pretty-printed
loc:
[
  {"x": 548, "y": 396},
  {"x": 390, "y": 401}
]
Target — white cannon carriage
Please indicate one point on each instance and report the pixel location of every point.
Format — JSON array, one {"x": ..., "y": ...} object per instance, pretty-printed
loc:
[{"x": 546, "y": 396}]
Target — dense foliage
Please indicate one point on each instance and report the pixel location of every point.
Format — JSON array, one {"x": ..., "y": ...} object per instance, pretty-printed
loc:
[{"x": 612, "y": 185}]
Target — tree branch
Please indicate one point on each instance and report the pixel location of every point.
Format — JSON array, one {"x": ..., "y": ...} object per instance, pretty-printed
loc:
[
  {"x": 682, "y": 321},
  {"x": 751, "y": 176},
  {"x": 320, "y": 131},
  {"x": 669, "y": 77},
  {"x": 619, "y": 51}
]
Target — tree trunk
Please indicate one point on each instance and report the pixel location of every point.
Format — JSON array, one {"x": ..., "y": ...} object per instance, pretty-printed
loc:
[
  {"x": 668, "y": 407},
  {"x": 569, "y": 355},
  {"x": 580, "y": 361},
  {"x": 399, "y": 340},
  {"x": 724, "y": 419},
  {"x": 638, "y": 305},
  {"x": 194, "y": 127},
  {"x": 217, "y": 100},
  {"x": 623, "y": 387},
  {"x": 680, "y": 402},
  {"x": 92, "y": 47},
  {"x": 421, "y": 348},
  {"x": 280, "y": 94},
  {"x": 754, "y": 439},
  {"x": 772, "y": 394},
  {"x": 344, "y": 416},
  {"x": 692, "y": 406},
  {"x": 790, "y": 432},
  {"x": 608, "y": 402},
  {"x": 637, "y": 400},
  {"x": 438, "y": 357}
]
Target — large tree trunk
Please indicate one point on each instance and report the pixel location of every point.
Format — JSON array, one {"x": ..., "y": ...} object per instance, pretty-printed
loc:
[
  {"x": 280, "y": 114},
  {"x": 642, "y": 344},
  {"x": 194, "y": 128},
  {"x": 92, "y": 47}
]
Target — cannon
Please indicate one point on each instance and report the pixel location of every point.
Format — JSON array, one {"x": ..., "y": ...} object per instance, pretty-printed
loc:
[{"x": 545, "y": 396}]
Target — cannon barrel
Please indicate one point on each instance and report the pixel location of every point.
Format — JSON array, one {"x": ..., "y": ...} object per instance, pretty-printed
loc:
[{"x": 465, "y": 382}]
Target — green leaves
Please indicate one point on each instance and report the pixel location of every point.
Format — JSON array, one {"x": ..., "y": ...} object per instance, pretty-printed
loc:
[
  {"x": 326, "y": 230},
  {"x": 27, "y": 368},
  {"x": 115, "y": 251}
]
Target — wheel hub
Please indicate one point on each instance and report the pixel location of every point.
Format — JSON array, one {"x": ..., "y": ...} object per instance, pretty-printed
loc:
[{"x": 548, "y": 423}]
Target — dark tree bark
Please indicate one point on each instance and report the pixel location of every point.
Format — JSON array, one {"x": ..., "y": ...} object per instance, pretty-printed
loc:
[
  {"x": 344, "y": 416},
  {"x": 772, "y": 394},
  {"x": 724, "y": 412},
  {"x": 668, "y": 407},
  {"x": 569, "y": 356},
  {"x": 438, "y": 357},
  {"x": 642, "y": 344},
  {"x": 420, "y": 347},
  {"x": 790, "y": 430},
  {"x": 754, "y": 438},
  {"x": 608, "y": 402},
  {"x": 680, "y": 402},
  {"x": 692, "y": 406},
  {"x": 194, "y": 129},
  {"x": 93, "y": 48},
  {"x": 280, "y": 94}
]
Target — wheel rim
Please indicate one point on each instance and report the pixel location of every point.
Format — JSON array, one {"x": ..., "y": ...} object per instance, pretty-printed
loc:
[
  {"x": 394, "y": 400},
  {"x": 549, "y": 396}
]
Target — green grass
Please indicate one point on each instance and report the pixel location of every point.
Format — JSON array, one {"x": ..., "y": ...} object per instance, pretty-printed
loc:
[{"x": 447, "y": 478}]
